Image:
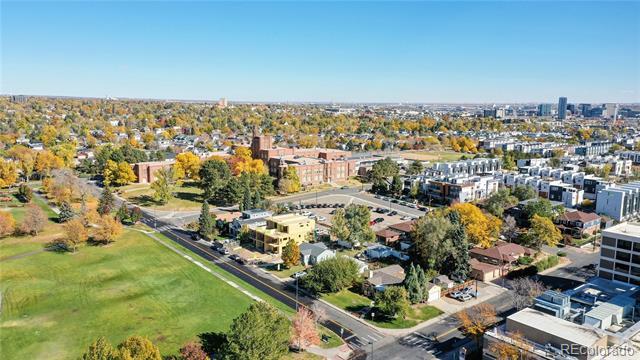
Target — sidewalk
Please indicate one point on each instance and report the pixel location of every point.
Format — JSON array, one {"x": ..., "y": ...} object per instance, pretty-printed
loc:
[{"x": 341, "y": 352}]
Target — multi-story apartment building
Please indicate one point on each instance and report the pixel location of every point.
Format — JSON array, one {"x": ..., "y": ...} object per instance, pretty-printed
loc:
[
  {"x": 468, "y": 167},
  {"x": 462, "y": 189},
  {"x": 620, "y": 201},
  {"x": 281, "y": 229},
  {"x": 567, "y": 194},
  {"x": 593, "y": 148},
  {"x": 634, "y": 156},
  {"x": 620, "y": 253}
]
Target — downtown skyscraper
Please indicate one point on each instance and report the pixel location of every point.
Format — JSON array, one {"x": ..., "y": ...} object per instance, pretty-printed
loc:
[{"x": 562, "y": 108}]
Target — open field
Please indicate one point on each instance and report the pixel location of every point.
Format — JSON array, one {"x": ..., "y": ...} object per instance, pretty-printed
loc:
[
  {"x": 55, "y": 304},
  {"x": 185, "y": 197},
  {"x": 352, "y": 302},
  {"x": 424, "y": 155}
]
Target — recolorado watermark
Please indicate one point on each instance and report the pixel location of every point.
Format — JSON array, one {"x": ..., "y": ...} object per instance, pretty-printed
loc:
[{"x": 597, "y": 351}]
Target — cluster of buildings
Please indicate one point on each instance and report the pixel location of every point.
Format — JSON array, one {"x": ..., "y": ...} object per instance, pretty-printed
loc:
[{"x": 597, "y": 320}]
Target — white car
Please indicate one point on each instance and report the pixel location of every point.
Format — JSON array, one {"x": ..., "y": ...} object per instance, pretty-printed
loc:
[
  {"x": 465, "y": 297},
  {"x": 306, "y": 213},
  {"x": 321, "y": 218}
]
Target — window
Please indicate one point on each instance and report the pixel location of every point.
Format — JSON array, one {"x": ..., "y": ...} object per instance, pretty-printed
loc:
[
  {"x": 607, "y": 253},
  {"x": 634, "y": 281},
  {"x": 624, "y": 256},
  {"x": 635, "y": 271},
  {"x": 606, "y": 275},
  {"x": 636, "y": 259},
  {"x": 624, "y": 244},
  {"x": 609, "y": 241},
  {"x": 636, "y": 247},
  {"x": 623, "y": 268},
  {"x": 606, "y": 264},
  {"x": 621, "y": 278}
]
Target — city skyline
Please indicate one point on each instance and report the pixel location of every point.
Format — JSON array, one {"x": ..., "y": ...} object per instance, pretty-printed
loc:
[{"x": 339, "y": 52}]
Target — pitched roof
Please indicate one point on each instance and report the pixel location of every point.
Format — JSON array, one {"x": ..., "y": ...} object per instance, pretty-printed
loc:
[
  {"x": 406, "y": 226},
  {"x": 503, "y": 251},
  {"x": 579, "y": 216},
  {"x": 482, "y": 267},
  {"x": 387, "y": 233},
  {"x": 389, "y": 275},
  {"x": 314, "y": 249}
]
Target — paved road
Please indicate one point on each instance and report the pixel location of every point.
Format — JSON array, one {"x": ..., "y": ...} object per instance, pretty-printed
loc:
[{"x": 582, "y": 267}]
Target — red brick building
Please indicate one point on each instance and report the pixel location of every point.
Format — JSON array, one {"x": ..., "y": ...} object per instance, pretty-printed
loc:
[
  {"x": 313, "y": 166},
  {"x": 145, "y": 171}
]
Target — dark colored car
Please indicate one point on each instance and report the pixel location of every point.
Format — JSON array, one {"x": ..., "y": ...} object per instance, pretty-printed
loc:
[
  {"x": 378, "y": 220},
  {"x": 393, "y": 213}
]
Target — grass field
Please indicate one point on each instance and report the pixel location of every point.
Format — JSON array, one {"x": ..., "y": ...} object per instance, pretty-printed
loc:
[
  {"x": 353, "y": 302},
  {"x": 185, "y": 197},
  {"x": 424, "y": 155},
  {"x": 54, "y": 304}
]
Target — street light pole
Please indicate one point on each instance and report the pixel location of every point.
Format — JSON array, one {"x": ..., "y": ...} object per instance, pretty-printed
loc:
[{"x": 297, "y": 277}]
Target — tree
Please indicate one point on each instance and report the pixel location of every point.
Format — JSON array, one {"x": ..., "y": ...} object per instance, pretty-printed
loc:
[
  {"x": 187, "y": 166},
  {"x": 214, "y": 175},
  {"x": 100, "y": 349},
  {"x": 458, "y": 264},
  {"x": 26, "y": 158},
  {"x": 206, "y": 224},
  {"x": 396, "y": 185},
  {"x": 523, "y": 192},
  {"x": 106, "y": 202},
  {"x": 476, "y": 320},
  {"x": 393, "y": 301},
  {"x": 260, "y": 333},
  {"x": 247, "y": 199},
  {"x": 352, "y": 224},
  {"x": 304, "y": 331},
  {"x": 107, "y": 230},
  {"x": 193, "y": 351},
  {"x": 138, "y": 347},
  {"x": 482, "y": 229},
  {"x": 413, "y": 285},
  {"x": 500, "y": 200},
  {"x": 118, "y": 174},
  {"x": 47, "y": 161},
  {"x": 66, "y": 212},
  {"x": 431, "y": 243},
  {"x": 7, "y": 223},
  {"x": 509, "y": 229},
  {"x": 415, "y": 168},
  {"x": 503, "y": 350},
  {"x": 8, "y": 173},
  {"x": 34, "y": 220},
  {"x": 291, "y": 254},
  {"x": 381, "y": 171},
  {"x": 541, "y": 207},
  {"x": 524, "y": 291},
  {"x": 25, "y": 194},
  {"x": 508, "y": 161},
  {"x": 75, "y": 233},
  {"x": 331, "y": 275},
  {"x": 542, "y": 231},
  {"x": 163, "y": 185},
  {"x": 290, "y": 182}
]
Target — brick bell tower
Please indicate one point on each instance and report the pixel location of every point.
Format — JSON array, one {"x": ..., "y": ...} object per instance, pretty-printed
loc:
[{"x": 260, "y": 142}]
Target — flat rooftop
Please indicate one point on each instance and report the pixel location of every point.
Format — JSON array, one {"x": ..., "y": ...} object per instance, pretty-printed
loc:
[
  {"x": 625, "y": 229},
  {"x": 562, "y": 329}
]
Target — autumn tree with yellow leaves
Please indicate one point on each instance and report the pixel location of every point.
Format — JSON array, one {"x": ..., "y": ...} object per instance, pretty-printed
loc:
[
  {"x": 118, "y": 174},
  {"x": 482, "y": 228},
  {"x": 187, "y": 166}
]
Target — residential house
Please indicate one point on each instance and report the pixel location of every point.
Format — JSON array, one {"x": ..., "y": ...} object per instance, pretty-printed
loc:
[
  {"x": 379, "y": 279},
  {"x": 311, "y": 254},
  {"x": 504, "y": 255},
  {"x": 281, "y": 229},
  {"x": 578, "y": 223},
  {"x": 483, "y": 271},
  {"x": 443, "y": 281}
]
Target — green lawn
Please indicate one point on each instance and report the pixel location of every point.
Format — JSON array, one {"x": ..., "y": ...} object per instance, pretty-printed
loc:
[
  {"x": 185, "y": 197},
  {"x": 347, "y": 300},
  {"x": 285, "y": 273},
  {"x": 54, "y": 305},
  {"x": 352, "y": 302}
]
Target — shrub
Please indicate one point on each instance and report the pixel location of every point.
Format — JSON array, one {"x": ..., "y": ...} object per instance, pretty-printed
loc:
[
  {"x": 561, "y": 254},
  {"x": 331, "y": 275},
  {"x": 548, "y": 262},
  {"x": 525, "y": 260}
]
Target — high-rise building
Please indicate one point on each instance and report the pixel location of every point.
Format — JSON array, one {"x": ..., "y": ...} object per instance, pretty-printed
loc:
[
  {"x": 620, "y": 253},
  {"x": 489, "y": 113},
  {"x": 544, "y": 109},
  {"x": 585, "y": 110},
  {"x": 562, "y": 108},
  {"x": 611, "y": 111}
]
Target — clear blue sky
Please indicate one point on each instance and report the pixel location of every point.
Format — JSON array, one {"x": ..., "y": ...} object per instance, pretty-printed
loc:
[{"x": 361, "y": 51}]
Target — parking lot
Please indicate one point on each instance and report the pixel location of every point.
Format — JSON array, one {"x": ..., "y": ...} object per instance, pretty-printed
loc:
[{"x": 324, "y": 207}]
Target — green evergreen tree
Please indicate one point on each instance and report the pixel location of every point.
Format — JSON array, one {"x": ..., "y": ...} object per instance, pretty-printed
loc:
[
  {"x": 458, "y": 263},
  {"x": 423, "y": 282},
  {"x": 413, "y": 285},
  {"x": 66, "y": 212},
  {"x": 247, "y": 201},
  {"x": 257, "y": 200},
  {"x": 205, "y": 222},
  {"x": 106, "y": 202},
  {"x": 123, "y": 213}
]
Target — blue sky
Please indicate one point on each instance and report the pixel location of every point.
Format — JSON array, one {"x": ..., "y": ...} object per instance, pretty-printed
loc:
[{"x": 331, "y": 51}]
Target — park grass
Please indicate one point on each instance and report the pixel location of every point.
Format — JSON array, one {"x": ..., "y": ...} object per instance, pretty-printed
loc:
[
  {"x": 415, "y": 316},
  {"x": 437, "y": 155},
  {"x": 185, "y": 197},
  {"x": 352, "y": 302},
  {"x": 56, "y": 304},
  {"x": 285, "y": 273}
]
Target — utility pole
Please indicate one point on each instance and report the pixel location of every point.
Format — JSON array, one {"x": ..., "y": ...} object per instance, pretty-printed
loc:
[{"x": 297, "y": 277}]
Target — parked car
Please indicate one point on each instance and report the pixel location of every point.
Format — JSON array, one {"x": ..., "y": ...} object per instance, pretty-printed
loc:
[
  {"x": 223, "y": 251},
  {"x": 384, "y": 211},
  {"x": 332, "y": 212},
  {"x": 321, "y": 218},
  {"x": 378, "y": 220},
  {"x": 406, "y": 218},
  {"x": 465, "y": 297},
  {"x": 393, "y": 213},
  {"x": 298, "y": 274},
  {"x": 456, "y": 294}
]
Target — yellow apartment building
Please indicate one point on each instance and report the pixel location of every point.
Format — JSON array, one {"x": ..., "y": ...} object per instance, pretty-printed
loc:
[{"x": 280, "y": 229}]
